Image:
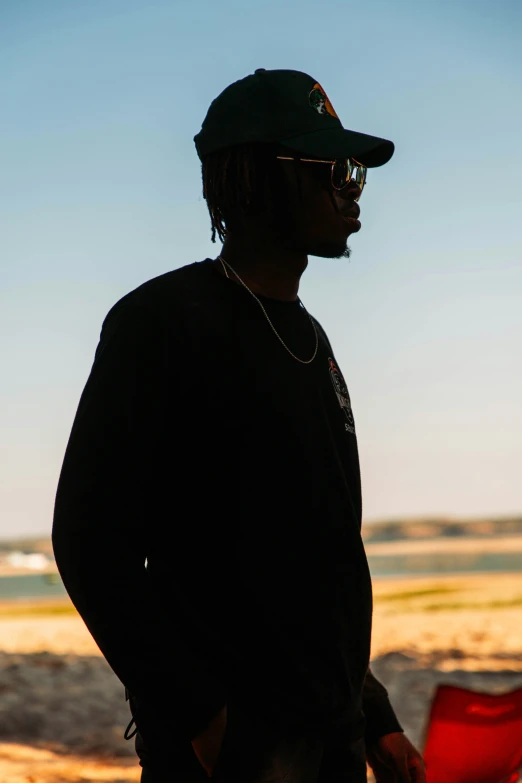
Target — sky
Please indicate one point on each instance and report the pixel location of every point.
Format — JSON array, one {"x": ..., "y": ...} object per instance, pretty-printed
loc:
[{"x": 100, "y": 190}]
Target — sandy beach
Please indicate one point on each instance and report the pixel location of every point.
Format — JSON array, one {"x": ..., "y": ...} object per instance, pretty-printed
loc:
[{"x": 63, "y": 712}]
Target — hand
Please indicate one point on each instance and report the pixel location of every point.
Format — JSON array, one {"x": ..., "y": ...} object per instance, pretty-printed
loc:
[
  {"x": 393, "y": 759},
  {"x": 207, "y": 745}
]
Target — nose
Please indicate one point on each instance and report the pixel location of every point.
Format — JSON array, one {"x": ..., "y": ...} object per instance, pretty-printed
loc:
[{"x": 351, "y": 192}]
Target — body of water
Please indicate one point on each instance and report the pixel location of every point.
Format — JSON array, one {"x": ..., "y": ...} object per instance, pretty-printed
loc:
[
  {"x": 31, "y": 586},
  {"x": 444, "y": 563},
  {"x": 42, "y": 586}
]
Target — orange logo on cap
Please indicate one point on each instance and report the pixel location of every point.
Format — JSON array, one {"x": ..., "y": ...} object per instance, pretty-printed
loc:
[{"x": 320, "y": 101}]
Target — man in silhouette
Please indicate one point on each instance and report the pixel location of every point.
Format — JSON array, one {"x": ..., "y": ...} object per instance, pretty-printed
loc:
[{"x": 207, "y": 521}]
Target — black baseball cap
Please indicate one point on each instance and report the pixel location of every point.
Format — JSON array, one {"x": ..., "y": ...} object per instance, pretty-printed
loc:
[{"x": 289, "y": 108}]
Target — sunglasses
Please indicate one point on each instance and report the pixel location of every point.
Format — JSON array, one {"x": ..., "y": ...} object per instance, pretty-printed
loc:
[{"x": 341, "y": 171}]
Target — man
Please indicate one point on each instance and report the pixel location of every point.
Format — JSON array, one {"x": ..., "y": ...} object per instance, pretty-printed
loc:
[{"x": 208, "y": 514}]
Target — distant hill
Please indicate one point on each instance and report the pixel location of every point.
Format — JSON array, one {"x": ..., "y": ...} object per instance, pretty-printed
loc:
[
  {"x": 425, "y": 528},
  {"x": 387, "y": 530}
]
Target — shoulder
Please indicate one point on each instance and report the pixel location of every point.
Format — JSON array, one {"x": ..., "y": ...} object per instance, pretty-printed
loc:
[
  {"x": 321, "y": 331},
  {"x": 162, "y": 298}
]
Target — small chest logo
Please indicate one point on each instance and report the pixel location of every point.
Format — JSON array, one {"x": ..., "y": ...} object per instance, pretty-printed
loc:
[{"x": 341, "y": 390}]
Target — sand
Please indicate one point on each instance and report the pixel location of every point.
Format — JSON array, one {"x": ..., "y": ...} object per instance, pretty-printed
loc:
[
  {"x": 479, "y": 615},
  {"x": 62, "y": 711},
  {"x": 26, "y": 764}
]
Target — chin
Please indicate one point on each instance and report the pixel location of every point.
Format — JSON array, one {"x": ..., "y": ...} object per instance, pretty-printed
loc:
[{"x": 330, "y": 250}]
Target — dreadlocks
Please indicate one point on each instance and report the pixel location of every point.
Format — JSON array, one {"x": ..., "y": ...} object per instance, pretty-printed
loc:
[{"x": 238, "y": 180}]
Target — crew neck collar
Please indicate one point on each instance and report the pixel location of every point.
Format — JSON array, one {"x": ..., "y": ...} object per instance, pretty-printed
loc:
[{"x": 266, "y": 300}]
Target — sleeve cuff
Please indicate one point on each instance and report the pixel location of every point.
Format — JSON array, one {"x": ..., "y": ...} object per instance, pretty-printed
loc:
[
  {"x": 378, "y": 711},
  {"x": 379, "y": 725}
]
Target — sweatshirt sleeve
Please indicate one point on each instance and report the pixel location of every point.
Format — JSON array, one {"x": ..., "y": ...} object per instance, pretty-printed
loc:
[
  {"x": 102, "y": 511},
  {"x": 379, "y": 714}
]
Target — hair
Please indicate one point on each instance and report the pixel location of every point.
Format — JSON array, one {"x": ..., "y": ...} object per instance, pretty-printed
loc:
[{"x": 240, "y": 180}]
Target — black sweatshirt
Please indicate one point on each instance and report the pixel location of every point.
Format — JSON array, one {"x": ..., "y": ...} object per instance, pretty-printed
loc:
[{"x": 208, "y": 514}]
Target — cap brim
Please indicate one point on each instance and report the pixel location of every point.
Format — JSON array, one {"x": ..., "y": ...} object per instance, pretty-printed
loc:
[{"x": 371, "y": 151}]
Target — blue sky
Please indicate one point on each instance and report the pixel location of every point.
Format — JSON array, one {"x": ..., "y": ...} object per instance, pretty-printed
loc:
[{"x": 100, "y": 191}]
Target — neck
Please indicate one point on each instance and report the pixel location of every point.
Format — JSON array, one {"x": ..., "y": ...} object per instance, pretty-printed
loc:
[{"x": 266, "y": 268}]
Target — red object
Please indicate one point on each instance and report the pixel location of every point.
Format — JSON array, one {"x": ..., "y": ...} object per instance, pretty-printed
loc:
[{"x": 474, "y": 737}]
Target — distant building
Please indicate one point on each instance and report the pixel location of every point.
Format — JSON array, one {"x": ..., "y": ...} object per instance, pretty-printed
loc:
[{"x": 35, "y": 561}]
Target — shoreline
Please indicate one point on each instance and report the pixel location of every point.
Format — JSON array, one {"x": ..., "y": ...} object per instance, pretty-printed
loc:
[
  {"x": 498, "y": 544},
  {"x": 7, "y": 570},
  {"x": 450, "y": 546},
  {"x": 432, "y": 575}
]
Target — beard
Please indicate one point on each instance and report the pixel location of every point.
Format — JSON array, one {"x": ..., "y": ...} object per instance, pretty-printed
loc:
[{"x": 330, "y": 250}]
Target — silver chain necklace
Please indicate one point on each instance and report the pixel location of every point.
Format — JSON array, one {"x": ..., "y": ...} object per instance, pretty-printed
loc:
[{"x": 223, "y": 262}]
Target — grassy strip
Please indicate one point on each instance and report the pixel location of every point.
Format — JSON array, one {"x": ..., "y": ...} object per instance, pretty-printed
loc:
[
  {"x": 406, "y": 595},
  {"x": 34, "y": 610},
  {"x": 67, "y": 609},
  {"x": 508, "y": 604}
]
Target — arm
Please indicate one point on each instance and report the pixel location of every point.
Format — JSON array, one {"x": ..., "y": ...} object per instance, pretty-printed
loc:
[
  {"x": 380, "y": 717},
  {"x": 107, "y": 494},
  {"x": 389, "y": 752}
]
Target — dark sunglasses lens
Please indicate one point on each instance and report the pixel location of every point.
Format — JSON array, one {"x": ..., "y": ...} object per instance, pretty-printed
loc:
[
  {"x": 341, "y": 173},
  {"x": 361, "y": 176}
]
